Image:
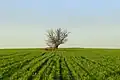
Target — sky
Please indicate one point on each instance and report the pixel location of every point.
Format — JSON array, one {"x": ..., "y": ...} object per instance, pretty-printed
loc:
[{"x": 92, "y": 23}]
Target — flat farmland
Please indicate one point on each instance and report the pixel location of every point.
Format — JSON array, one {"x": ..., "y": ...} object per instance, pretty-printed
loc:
[{"x": 63, "y": 64}]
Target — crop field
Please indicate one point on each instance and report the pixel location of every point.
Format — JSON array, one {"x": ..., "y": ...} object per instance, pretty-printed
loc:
[{"x": 63, "y": 64}]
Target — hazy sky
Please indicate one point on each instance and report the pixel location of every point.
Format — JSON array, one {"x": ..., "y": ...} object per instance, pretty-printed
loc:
[{"x": 92, "y": 23}]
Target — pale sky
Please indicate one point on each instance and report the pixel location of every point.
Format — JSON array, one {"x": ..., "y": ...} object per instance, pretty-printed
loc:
[{"x": 92, "y": 23}]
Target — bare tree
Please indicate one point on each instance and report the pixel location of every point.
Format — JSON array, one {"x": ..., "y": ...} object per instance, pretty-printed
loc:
[{"x": 57, "y": 37}]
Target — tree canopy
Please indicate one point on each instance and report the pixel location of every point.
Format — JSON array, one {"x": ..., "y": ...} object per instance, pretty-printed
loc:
[{"x": 56, "y": 37}]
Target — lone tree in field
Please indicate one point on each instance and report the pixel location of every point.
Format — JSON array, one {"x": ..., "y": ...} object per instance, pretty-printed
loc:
[{"x": 56, "y": 37}]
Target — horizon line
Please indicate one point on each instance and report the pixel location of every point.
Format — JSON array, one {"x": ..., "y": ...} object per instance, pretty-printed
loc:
[{"x": 61, "y": 47}]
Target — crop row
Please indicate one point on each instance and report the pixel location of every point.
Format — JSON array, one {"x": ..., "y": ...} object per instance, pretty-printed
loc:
[{"x": 56, "y": 66}]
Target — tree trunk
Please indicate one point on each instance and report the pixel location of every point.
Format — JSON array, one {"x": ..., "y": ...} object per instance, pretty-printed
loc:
[{"x": 56, "y": 46}]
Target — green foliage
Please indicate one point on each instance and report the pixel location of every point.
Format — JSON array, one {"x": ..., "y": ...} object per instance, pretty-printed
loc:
[{"x": 64, "y": 64}]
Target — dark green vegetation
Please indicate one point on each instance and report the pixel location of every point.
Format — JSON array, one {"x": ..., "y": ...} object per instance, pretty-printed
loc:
[{"x": 64, "y": 64}]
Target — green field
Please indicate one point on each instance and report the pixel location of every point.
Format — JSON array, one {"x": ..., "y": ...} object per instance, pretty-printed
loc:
[{"x": 64, "y": 64}]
